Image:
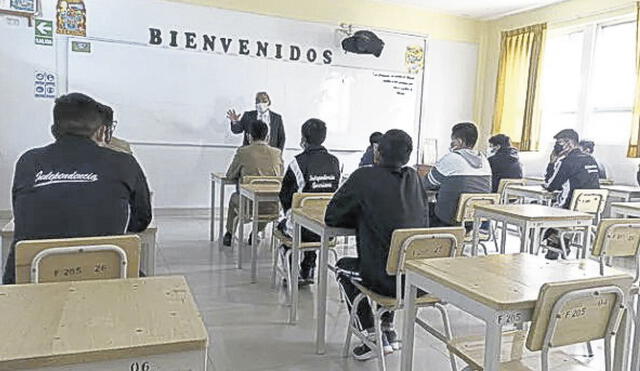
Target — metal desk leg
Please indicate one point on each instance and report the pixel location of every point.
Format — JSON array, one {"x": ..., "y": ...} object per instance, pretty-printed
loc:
[
  {"x": 586, "y": 241},
  {"x": 408, "y": 327},
  {"x": 321, "y": 299},
  {"x": 254, "y": 241},
  {"x": 476, "y": 235},
  {"x": 524, "y": 237},
  {"x": 535, "y": 241},
  {"x": 240, "y": 229},
  {"x": 635, "y": 356},
  {"x": 295, "y": 271},
  {"x": 621, "y": 353},
  {"x": 213, "y": 208},
  {"x": 221, "y": 221},
  {"x": 493, "y": 339},
  {"x": 503, "y": 237}
]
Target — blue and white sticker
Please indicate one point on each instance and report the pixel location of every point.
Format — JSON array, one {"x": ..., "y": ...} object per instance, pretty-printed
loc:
[{"x": 45, "y": 85}]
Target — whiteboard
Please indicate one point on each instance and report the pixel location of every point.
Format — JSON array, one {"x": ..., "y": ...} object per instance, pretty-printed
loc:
[{"x": 164, "y": 95}]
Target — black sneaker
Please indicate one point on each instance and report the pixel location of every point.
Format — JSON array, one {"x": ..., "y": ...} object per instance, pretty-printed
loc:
[
  {"x": 250, "y": 238},
  {"x": 392, "y": 339},
  {"x": 306, "y": 274},
  {"x": 551, "y": 255},
  {"x": 363, "y": 352},
  {"x": 226, "y": 240}
]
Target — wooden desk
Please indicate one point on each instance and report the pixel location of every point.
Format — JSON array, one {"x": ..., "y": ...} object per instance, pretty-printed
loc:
[
  {"x": 313, "y": 220},
  {"x": 624, "y": 192},
  {"x": 223, "y": 181},
  {"x": 531, "y": 219},
  {"x": 535, "y": 192},
  {"x": 132, "y": 324},
  {"x": 498, "y": 289},
  {"x": 626, "y": 209},
  {"x": 257, "y": 193},
  {"x": 147, "y": 250}
]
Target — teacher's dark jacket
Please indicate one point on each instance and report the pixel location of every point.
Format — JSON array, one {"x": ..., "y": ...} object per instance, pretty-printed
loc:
[
  {"x": 376, "y": 201},
  {"x": 75, "y": 188},
  {"x": 276, "y": 128}
]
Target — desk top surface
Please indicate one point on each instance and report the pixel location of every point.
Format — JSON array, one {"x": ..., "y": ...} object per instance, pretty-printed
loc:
[
  {"x": 627, "y": 205},
  {"x": 10, "y": 227},
  {"x": 221, "y": 177},
  {"x": 622, "y": 188},
  {"x": 535, "y": 212},
  {"x": 76, "y": 322},
  {"x": 505, "y": 282},
  {"x": 541, "y": 180}
]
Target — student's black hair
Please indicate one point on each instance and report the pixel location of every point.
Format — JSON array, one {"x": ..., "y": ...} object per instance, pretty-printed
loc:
[
  {"x": 568, "y": 134},
  {"x": 258, "y": 130},
  {"x": 588, "y": 145},
  {"x": 76, "y": 114},
  {"x": 500, "y": 140},
  {"x": 314, "y": 131},
  {"x": 395, "y": 148},
  {"x": 375, "y": 137},
  {"x": 467, "y": 132}
]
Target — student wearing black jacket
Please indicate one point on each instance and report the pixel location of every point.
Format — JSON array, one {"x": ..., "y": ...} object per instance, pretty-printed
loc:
[
  {"x": 314, "y": 170},
  {"x": 569, "y": 169},
  {"x": 504, "y": 160},
  {"x": 74, "y": 187},
  {"x": 376, "y": 201}
]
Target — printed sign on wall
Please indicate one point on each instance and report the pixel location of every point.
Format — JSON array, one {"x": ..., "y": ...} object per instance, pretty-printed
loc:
[
  {"x": 414, "y": 59},
  {"x": 71, "y": 18},
  {"x": 81, "y": 46},
  {"x": 23, "y": 5},
  {"x": 44, "y": 85},
  {"x": 43, "y": 32}
]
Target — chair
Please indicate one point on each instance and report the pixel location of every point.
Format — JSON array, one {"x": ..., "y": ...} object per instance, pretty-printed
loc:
[
  {"x": 268, "y": 211},
  {"x": 311, "y": 200},
  {"x": 465, "y": 214},
  {"x": 590, "y": 201},
  {"x": 566, "y": 313},
  {"x": 505, "y": 184},
  {"x": 621, "y": 238},
  {"x": 406, "y": 245},
  {"x": 77, "y": 259}
]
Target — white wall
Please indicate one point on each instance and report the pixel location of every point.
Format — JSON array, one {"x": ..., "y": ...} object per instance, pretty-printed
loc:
[{"x": 179, "y": 176}]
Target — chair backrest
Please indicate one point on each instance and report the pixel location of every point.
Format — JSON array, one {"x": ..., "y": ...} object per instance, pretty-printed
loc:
[
  {"x": 310, "y": 199},
  {"x": 592, "y": 201},
  {"x": 618, "y": 238},
  {"x": 577, "y": 311},
  {"x": 506, "y": 183},
  {"x": 77, "y": 259},
  {"x": 422, "y": 243},
  {"x": 469, "y": 200},
  {"x": 258, "y": 179}
]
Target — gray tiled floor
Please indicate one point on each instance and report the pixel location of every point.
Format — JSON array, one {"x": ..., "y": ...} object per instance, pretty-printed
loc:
[{"x": 247, "y": 323}]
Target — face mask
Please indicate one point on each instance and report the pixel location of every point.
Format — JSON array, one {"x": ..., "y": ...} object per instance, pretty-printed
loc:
[
  {"x": 558, "y": 148},
  {"x": 491, "y": 152},
  {"x": 262, "y": 107}
]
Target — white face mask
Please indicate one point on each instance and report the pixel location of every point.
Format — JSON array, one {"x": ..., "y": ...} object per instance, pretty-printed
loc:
[
  {"x": 491, "y": 151},
  {"x": 262, "y": 107}
]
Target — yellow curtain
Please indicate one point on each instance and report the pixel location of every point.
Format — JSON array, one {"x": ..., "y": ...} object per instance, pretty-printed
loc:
[
  {"x": 634, "y": 141},
  {"x": 516, "y": 114}
]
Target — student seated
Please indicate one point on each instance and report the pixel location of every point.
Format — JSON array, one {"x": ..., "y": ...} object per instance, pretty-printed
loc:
[
  {"x": 314, "y": 170},
  {"x": 569, "y": 169},
  {"x": 587, "y": 146},
  {"x": 462, "y": 170},
  {"x": 74, "y": 187},
  {"x": 257, "y": 158},
  {"x": 376, "y": 201},
  {"x": 367, "y": 157},
  {"x": 504, "y": 160}
]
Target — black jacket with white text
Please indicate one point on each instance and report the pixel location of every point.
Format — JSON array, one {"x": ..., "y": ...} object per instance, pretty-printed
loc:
[{"x": 576, "y": 170}]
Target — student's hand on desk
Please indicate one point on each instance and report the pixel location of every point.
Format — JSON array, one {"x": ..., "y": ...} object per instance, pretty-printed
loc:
[{"x": 232, "y": 115}]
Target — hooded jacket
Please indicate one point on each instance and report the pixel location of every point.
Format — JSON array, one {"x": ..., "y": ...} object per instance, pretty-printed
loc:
[
  {"x": 460, "y": 171},
  {"x": 505, "y": 164},
  {"x": 377, "y": 200},
  {"x": 575, "y": 170}
]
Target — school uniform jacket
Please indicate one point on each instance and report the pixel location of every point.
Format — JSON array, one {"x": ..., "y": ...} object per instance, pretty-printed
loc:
[
  {"x": 276, "y": 128},
  {"x": 505, "y": 164},
  {"x": 75, "y": 188},
  {"x": 314, "y": 170},
  {"x": 376, "y": 201},
  {"x": 575, "y": 170},
  {"x": 457, "y": 172}
]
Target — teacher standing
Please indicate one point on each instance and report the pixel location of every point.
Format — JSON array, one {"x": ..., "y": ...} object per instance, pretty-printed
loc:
[{"x": 275, "y": 135}]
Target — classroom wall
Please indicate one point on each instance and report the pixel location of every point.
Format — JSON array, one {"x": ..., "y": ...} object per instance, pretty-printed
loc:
[
  {"x": 565, "y": 14},
  {"x": 179, "y": 175}
]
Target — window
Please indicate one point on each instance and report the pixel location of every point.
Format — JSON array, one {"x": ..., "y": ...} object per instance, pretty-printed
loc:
[{"x": 588, "y": 82}]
